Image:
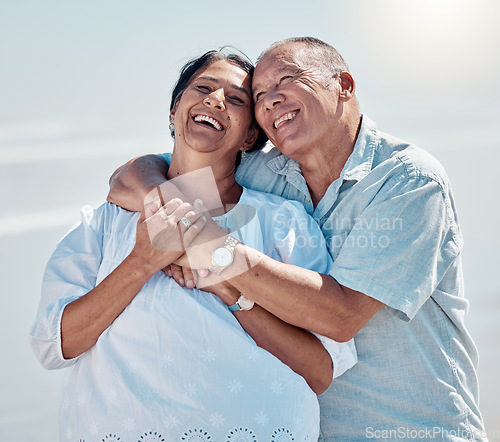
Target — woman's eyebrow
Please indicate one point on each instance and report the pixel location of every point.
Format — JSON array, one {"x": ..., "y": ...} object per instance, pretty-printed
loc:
[
  {"x": 234, "y": 86},
  {"x": 207, "y": 77}
]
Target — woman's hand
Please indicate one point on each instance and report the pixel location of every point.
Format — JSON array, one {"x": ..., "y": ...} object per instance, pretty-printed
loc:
[
  {"x": 161, "y": 237},
  {"x": 184, "y": 276},
  {"x": 224, "y": 291}
]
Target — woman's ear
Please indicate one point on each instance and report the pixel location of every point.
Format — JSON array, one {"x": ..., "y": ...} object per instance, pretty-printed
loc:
[
  {"x": 171, "y": 125},
  {"x": 253, "y": 133},
  {"x": 174, "y": 110}
]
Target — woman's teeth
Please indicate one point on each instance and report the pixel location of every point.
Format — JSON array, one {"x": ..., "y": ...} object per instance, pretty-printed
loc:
[{"x": 210, "y": 120}]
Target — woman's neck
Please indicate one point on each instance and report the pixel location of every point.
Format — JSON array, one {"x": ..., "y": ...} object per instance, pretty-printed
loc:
[{"x": 203, "y": 182}]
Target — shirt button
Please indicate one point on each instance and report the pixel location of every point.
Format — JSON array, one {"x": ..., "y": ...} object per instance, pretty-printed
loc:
[{"x": 307, "y": 199}]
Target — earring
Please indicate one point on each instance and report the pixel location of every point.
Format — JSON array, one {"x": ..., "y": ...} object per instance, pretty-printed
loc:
[
  {"x": 171, "y": 128},
  {"x": 243, "y": 153}
]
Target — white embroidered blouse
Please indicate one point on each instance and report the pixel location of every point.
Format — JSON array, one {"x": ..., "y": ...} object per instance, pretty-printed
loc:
[{"x": 176, "y": 364}]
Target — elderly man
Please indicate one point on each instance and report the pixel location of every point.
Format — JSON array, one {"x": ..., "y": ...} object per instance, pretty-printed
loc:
[{"x": 386, "y": 210}]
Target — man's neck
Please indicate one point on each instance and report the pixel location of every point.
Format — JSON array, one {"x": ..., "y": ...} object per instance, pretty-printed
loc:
[{"x": 323, "y": 167}]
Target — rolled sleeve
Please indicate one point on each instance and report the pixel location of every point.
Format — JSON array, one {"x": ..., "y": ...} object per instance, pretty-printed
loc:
[
  {"x": 70, "y": 273},
  {"x": 45, "y": 336},
  {"x": 343, "y": 354},
  {"x": 401, "y": 245}
]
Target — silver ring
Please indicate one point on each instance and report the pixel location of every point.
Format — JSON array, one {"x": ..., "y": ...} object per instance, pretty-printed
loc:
[{"x": 186, "y": 222}]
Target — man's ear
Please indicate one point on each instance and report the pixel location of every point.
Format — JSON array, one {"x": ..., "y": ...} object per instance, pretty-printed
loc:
[
  {"x": 253, "y": 133},
  {"x": 347, "y": 86}
]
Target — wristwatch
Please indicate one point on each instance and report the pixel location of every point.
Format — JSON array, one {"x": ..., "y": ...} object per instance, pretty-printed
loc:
[
  {"x": 242, "y": 303},
  {"x": 223, "y": 256}
]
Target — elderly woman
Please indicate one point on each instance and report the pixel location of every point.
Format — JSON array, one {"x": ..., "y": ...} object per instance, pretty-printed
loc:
[{"x": 147, "y": 359}]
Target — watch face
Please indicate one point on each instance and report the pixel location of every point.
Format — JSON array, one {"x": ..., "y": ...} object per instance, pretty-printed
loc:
[
  {"x": 223, "y": 257},
  {"x": 245, "y": 303}
]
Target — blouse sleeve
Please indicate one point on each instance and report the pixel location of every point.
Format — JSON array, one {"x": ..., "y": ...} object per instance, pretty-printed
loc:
[
  {"x": 298, "y": 240},
  {"x": 70, "y": 273}
]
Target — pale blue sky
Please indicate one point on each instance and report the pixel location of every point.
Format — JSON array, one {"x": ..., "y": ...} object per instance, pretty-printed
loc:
[{"x": 105, "y": 68}]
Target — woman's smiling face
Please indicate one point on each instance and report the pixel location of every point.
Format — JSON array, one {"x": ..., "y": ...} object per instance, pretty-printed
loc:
[{"x": 215, "y": 111}]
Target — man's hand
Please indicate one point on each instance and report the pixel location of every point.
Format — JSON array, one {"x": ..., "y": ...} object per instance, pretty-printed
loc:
[{"x": 130, "y": 183}]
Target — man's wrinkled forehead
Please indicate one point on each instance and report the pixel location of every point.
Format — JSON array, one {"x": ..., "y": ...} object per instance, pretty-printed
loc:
[
  {"x": 276, "y": 62},
  {"x": 287, "y": 55}
]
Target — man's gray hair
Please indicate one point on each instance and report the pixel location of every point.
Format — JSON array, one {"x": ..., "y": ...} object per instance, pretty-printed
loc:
[{"x": 321, "y": 56}]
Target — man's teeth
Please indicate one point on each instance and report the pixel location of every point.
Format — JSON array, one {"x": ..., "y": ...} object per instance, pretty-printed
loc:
[
  {"x": 208, "y": 119},
  {"x": 285, "y": 117}
]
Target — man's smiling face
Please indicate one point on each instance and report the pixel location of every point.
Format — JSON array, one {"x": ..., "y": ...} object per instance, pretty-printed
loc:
[{"x": 292, "y": 104}]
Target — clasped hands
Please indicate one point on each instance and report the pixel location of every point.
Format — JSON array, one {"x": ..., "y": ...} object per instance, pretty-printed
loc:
[{"x": 178, "y": 238}]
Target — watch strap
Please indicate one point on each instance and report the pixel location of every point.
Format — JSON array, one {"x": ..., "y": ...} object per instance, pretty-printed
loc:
[
  {"x": 235, "y": 307},
  {"x": 240, "y": 304}
]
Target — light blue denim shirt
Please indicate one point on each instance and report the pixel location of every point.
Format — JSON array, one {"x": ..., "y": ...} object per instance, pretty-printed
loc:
[
  {"x": 391, "y": 227},
  {"x": 392, "y": 230}
]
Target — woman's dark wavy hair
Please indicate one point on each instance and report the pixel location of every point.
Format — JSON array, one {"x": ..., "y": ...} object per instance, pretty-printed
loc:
[{"x": 192, "y": 67}]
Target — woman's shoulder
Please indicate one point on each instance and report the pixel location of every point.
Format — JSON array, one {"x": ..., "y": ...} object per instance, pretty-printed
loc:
[{"x": 109, "y": 219}]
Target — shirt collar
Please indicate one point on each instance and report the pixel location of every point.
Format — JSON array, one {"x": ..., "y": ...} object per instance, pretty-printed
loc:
[
  {"x": 283, "y": 165},
  {"x": 290, "y": 169},
  {"x": 360, "y": 161},
  {"x": 357, "y": 166}
]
